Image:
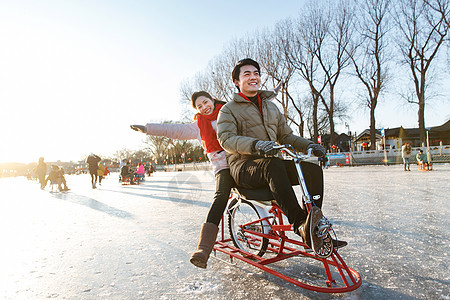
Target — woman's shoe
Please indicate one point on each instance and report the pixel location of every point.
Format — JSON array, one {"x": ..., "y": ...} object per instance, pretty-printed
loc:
[{"x": 206, "y": 241}]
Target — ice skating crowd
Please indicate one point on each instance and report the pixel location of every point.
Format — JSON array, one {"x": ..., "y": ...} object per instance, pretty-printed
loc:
[{"x": 97, "y": 171}]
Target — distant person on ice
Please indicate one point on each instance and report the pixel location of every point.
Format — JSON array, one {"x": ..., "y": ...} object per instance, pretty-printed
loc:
[
  {"x": 56, "y": 175},
  {"x": 422, "y": 159},
  {"x": 406, "y": 154},
  {"x": 100, "y": 173},
  {"x": 93, "y": 161},
  {"x": 126, "y": 172},
  {"x": 41, "y": 171},
  {"x": 141, "y": 170}
]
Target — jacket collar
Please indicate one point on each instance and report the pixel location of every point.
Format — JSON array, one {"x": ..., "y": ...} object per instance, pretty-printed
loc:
[{"x": 265, "y": 95}]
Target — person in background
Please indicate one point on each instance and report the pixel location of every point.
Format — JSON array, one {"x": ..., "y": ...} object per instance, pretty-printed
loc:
[
  {"x": 422, "y": 159},
  {"x": 56, "y": 175},
  {"x": 151, "y": 169},
  {"x": 326, "y": 161},
  {"x": 106, "y": 171},
  {"x": 126, "y": 172},
  {"x": 100, "y": 173},
  {"x": 406, "y": 154},
  {"x": 123, "y": 162},
  {"x": 41, "y": 171},
  {"x": 140, "y": 171},
  {"x": 93, "y": 161}
]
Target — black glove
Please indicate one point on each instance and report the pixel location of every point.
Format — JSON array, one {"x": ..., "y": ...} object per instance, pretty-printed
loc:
[
  {"x": 266, "y": 148},
  {"x": 139, "y": 128},
  {"x": 317, "y": 149}
]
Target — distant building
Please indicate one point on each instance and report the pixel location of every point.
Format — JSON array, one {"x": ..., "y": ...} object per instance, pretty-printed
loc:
[
  {"x": 341, "y": 142},
  {"x": 396, "y": 137}
]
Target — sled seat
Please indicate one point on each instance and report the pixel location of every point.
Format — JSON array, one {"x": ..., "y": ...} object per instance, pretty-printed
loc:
[{"x": 262, "y": 195}]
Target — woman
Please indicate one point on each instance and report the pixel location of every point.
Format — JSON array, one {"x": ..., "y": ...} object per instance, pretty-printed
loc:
[
  {"x": 141, "y": 169},
  {"x": 204, "y": 129}
]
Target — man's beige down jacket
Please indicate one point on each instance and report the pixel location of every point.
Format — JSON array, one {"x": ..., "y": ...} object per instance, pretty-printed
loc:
[{"x": 240, "y": 125}]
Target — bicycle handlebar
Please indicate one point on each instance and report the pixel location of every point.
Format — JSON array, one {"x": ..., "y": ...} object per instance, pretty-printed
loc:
[{"x": 291, "y": 151}]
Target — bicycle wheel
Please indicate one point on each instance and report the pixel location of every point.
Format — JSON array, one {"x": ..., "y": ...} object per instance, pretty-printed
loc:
[{"x": 243, "y": 228}]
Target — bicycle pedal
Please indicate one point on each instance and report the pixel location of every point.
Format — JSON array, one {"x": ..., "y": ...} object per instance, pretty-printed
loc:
[{"x": 323, "y": 227}]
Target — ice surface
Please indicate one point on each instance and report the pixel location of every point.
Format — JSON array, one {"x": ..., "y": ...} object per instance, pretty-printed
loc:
[{"x": 134, "y": 242}]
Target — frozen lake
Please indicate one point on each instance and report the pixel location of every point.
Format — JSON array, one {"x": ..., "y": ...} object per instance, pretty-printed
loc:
[{"x": 134, "y": 242}]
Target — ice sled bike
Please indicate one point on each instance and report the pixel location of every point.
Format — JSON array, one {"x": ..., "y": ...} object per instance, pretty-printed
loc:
[{"x": 257, "y": 226}]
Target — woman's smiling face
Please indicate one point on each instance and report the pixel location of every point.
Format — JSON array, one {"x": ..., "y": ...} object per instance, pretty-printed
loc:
[{"x": 204, "y": 105}]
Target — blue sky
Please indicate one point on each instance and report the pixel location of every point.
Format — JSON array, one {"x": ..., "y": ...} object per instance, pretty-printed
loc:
[{"x": 75, "y": 74}]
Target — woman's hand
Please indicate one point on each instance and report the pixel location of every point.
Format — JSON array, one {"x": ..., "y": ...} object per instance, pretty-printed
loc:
[{"x": 140, "y": 128}]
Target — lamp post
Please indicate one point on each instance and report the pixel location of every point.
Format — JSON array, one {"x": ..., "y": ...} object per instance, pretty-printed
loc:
[
  {"x": 428, "y": 146},
  {"x": 349, "y": 143},
  {"x": 383, "y": 134},
  {"x": 349, "y": 134}
]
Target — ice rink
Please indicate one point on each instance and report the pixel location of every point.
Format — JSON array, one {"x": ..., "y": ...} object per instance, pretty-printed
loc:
[{"x": 134, "y": 242}]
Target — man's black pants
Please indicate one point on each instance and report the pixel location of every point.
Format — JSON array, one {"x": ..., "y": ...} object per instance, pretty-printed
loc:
[{"x": 271, "y": 171}]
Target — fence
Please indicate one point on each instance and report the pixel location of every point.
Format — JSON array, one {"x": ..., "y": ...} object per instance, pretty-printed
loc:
[{"x": 394, "y": 156}]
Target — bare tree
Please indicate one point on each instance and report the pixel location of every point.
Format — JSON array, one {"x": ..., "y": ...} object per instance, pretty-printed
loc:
[
  {"x": 157, "y": 145},
  {"x": 141, "y": 155},
  {"x": 333, "y": 52},
  {"x": 368, "y": 54},
  {"x": 122, "y": 154},
  {"x": 300, "y": 45},
  {"x": 423, "y": 26},
  {"x": 182, "y": 146},
  {"x": 271, "y": 54},
  {"x": 220, "y": 75},
  {"x": 187, "y": 88},
  {"x": 321, "y": 123},
  {"x": 127, "y": 154}
]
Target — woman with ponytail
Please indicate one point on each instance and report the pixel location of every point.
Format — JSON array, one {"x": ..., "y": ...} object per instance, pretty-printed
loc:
[{"x": 203, "y": 128}]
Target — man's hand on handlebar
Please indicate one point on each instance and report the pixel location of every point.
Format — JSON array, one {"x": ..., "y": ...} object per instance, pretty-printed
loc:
[
  {"x": 317, "y": 149},
  {"x": 266, "y": 148},
  {"x": 139, "y": 128}
]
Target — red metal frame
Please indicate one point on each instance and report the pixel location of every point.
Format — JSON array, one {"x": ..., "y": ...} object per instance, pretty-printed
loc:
[{"x": 349, "y": 279}]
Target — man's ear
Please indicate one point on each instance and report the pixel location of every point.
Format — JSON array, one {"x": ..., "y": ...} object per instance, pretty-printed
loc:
[{"x": 236, "y": 82}]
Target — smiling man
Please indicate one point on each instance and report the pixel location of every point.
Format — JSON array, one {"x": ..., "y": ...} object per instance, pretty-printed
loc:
[{"x": 248, "y": 128}]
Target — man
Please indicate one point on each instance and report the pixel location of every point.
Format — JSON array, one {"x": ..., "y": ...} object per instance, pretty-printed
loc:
[
  {"x": 251, "y": 125},
  {"x": 125, "y": 172},
  {"x": 41, "y": 171},
  {"x": 93, "y": 161},
  {"x": 406, "y": 154}
]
